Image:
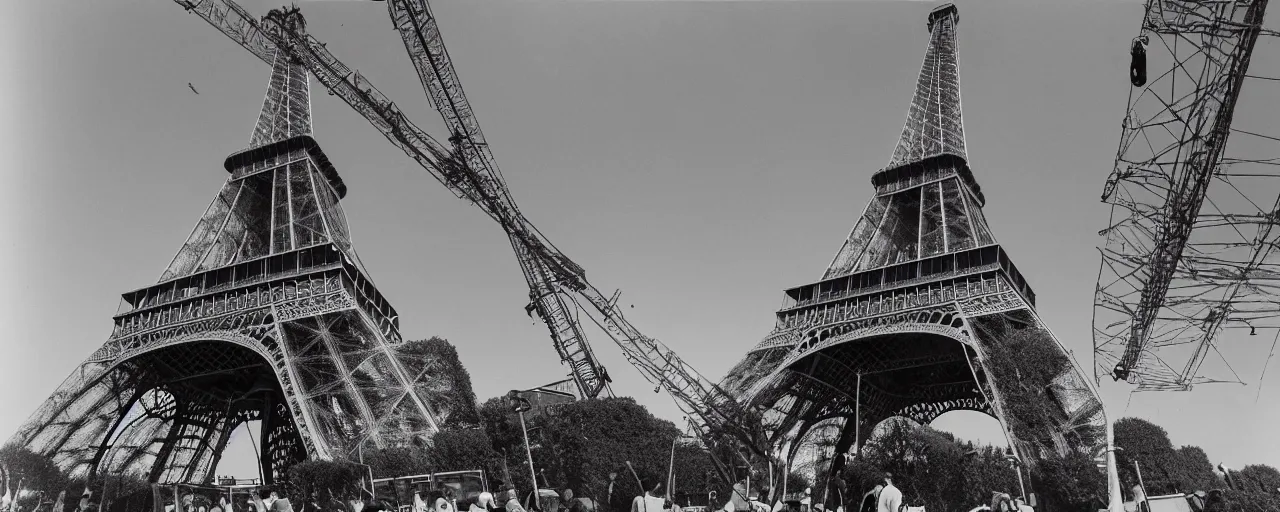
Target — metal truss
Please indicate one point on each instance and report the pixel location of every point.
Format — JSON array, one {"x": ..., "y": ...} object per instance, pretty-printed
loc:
[
  {"x": 264, "y": 314},
  {"x": 1194, "y": 195},
  {"x": 422, "y": 40},
  {"x": 907, "y": 318},
  {"x": 715, "y": 412}
]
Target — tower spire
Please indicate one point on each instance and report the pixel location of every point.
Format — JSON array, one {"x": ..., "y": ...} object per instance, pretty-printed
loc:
[
  {"x": 283, "y": 193},
  {"x": 927, "y": 202},
  {"x": 934, "y": 125},
  {"x": 286, "y": 110}
]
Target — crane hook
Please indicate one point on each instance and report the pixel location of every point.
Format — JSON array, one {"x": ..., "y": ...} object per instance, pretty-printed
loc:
[{"x": 1138, "y": 61}]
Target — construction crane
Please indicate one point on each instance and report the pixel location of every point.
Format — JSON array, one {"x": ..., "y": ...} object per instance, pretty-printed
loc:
[
  {"x": 1191, "y": 245},
  {"x": 467, "y": 170},
  {"x": 547, "y": 295}
]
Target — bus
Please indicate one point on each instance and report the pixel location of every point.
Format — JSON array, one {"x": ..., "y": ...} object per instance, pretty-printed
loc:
[{"x": 398, "y": 491}]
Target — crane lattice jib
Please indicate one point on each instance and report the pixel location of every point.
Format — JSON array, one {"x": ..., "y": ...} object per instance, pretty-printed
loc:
[
  {"x": 425, "y": 46},
  {"x": 714, "y": 410},
  {"x": 478, "y": 187},
  {"x": 1159, "y": 285}
]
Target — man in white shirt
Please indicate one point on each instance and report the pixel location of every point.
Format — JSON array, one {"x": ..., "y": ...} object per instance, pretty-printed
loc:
[
  {"x": 890, "y": 496},
  {"x": 649, "y": 501}
]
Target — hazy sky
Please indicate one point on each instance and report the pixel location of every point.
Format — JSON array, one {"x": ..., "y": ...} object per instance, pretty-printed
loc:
[{"x": 700, "y": 156}]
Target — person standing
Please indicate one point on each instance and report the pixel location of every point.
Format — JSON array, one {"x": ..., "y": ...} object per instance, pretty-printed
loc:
[
  {"x": 649, "y": 501},
  {"x": 511, "y": 501},
  {"x": 871, "y": 500},
  {"x": 615, "y": 497},
  {"x": 890, "y": 497}
]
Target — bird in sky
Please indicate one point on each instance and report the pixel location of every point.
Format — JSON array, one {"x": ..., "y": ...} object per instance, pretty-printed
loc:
[{"x": 192, "y": 87}]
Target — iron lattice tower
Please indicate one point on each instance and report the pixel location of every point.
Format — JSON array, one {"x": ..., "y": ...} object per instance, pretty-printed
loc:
[
  {"x": 910, "y": 318},
  {"x": 266, "y": 313},
  {"x": 468, "y": 172}
]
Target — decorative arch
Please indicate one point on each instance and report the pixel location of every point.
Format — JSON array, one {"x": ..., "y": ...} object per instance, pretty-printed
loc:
[
  {"x": 943, "y": 320},
  {"x": 94, "y": 427}
]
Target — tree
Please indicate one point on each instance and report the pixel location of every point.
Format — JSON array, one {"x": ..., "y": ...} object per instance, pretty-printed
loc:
[
  {"x": 1259, "y": 478},
  {"x": 987, "y": 470},
  {"x": 33, "y": 471},
  {"x": 111, "y": 492},
  {"x": 1249, "y": 501},
  {"x": 1148, "y": 444},
  {"x": 500, "y": 424},
  {"x": 930, "y": 467},
  {"x": 933, "y": 469},
  {"x": 451, "y": 449},
  {"x": 460, "y": 449},
  {"x": 1071, "y": 482},
  {"x": 584, "y": 441},
  {"x": 502, "y": 427},
  {"x": 591, "y": 438},
  {"x": 398, "y": 461},
  {"x": 1164, "y": 469},
  {"x": 442, "y": 381},
  {"x": 315, "y": 478},
  {"x": 122, "y": 493},
  {"x": 1193, "y": 471}
]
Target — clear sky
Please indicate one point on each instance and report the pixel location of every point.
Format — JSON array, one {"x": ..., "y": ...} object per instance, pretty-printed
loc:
[{"x": 700, "y": 156}]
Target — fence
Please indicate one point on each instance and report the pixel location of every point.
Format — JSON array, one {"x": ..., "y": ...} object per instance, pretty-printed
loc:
[{"x": 200, "y": 498}]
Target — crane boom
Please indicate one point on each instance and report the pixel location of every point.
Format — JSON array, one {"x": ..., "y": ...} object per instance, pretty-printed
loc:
[
  {"x": 1167, "y": 279},
  {"x": 712, "y": 409},
  {"x": 425, "y": 46}
]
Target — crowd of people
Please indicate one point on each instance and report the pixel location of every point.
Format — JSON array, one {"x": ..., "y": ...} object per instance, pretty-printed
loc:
[{"x": 884, "y": 497}]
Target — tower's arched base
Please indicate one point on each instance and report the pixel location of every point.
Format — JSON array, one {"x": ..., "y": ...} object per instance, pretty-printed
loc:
[{"x": 959, "y": 344}]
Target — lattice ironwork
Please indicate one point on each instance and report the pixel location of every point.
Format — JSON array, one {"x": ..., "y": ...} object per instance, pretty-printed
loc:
[
  {"x": 465, "y": 171},
  {"x": 425, "y": 46},
  {"x": 1194, "y": 195},
  {"x": 896, "y": 327},
  {"x": 934, "y": 123},
  {"x": 265, "y": 314}
]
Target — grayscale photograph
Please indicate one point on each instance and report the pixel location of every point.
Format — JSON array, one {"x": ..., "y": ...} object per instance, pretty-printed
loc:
[{"x": 819, "y": 280}]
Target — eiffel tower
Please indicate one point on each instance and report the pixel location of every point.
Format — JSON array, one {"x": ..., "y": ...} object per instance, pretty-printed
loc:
[
  {"x": 916, "y": 314},
  {"x": 266, "y": 313}
]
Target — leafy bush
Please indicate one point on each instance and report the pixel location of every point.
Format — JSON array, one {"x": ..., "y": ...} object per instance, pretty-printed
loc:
[
  {"x": 317, "y": 477},
  {"x": 34, "y": 471},
  {"x": 398, "y": 461},
  {"x": 1246, "y": 501},
  {"x": 459, "y": 449},
  {"x": 1258, "y": 478},
  {"x": 1164, "y": 469}
]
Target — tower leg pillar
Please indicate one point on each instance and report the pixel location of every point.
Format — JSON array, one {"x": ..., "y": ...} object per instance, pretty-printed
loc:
[{"x": 264, "y": 446}]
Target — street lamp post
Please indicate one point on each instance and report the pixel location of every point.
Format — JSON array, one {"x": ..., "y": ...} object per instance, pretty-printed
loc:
[
  {"x": 521, "y": 404},
  {"x": 671, "y": 467},
  {"x": 1017, "y": 468}
]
